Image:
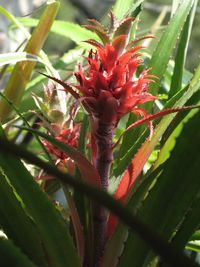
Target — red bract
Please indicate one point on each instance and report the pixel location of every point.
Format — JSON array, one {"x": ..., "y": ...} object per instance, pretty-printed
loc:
[
  {"x": 110, "y": 88},
  {"x": 70, "y": 137}
]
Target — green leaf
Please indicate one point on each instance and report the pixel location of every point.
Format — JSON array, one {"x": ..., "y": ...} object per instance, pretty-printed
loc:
[
  {"x": 22, "y": 117},
  {"x": 127, "y": 8},
  {"x": 195, "y": 236},
  {"x": 44, "y": 214},
  {"x": 194, "y": 246},
  {"x": 27, "y": 35},
  {"x": 22, "y": 70},
  {"x": 12, "y": 256},
  {"x": 176, "y": 188},
  {"x": 12, "y": 19},
  {"x": 164, "y": 49},
  {"x": 82, "y": 139},
  {"x": 115, "y": 244},
  {"x": 174, "y": 130},
  {"x": 67, "y": 29},
  {"x": 135, "y": 10},
  {"x": 23, "y": 231},
  {"x": 121, "y": 8},
  {"x": 33, "y": 86},
  {"x": 71, "y": 56},
  {"x": 170, "y": 254},
  {"x": 180, "y": 58},
  {"x": 130, "y": 137},
  {"x": 190, "y": 223},
  {"x": 175, "y": 4},
  {"x": 114, "y": 247},
  {"x": 146, "y": 149},
  {"x": 12, "y": 58}
]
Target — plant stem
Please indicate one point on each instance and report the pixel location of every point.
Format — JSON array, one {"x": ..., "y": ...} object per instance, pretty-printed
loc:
[{"x": 104, "y": 142}]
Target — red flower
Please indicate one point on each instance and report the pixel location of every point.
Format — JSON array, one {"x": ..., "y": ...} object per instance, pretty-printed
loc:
[
  {"x": 70, "y": 137},
  {"x": 110, "y": 88}
]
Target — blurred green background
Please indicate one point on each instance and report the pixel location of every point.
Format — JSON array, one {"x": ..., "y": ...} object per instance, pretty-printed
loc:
[{"x": 79, "y": 10}]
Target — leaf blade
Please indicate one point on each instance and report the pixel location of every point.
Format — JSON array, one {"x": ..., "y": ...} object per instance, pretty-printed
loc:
[
  {"x": 10, "y": 208},
  {"x": 175, "y": 179},
  {"x": 176, "y": 82},
  {"x": 171, "y": 255},
  {"x": 38, "y": 206},
  {"x": 12, "y": 256},
  {"x": 22, "y": 70},
  {"x": 162, "y": 53}
]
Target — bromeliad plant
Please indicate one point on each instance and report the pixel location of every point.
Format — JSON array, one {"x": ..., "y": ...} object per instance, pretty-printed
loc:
[{"x": 91, "y": 132}]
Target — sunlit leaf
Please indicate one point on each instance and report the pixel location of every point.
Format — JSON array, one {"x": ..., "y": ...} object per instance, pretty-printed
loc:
[
  {"x": 163, "y": 50},
  {"x": 12, "y": 58},
  {"x": 181, "y": 53},
  {"x": 67, "y": 29},
  {"x": 22, "y": 70},
  {"x": 10, "y": 208}
]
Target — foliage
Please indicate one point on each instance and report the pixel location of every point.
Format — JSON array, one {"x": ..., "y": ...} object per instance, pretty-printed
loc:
[{"x": 118, "y": 138}]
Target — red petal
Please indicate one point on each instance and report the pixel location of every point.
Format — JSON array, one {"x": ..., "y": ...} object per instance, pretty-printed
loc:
[{"x": 123, "y": 59}]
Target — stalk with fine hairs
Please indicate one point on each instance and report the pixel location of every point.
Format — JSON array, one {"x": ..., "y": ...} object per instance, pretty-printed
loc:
[{"x": 104, "y": 158}]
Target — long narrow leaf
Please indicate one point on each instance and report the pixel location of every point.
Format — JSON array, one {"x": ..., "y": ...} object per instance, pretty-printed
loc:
[
  {"x": 163, "y": 51},
  {"x": 121, "y": 8},
  {"x": 27, "y": 35},
  {"x": 39, "y": 206},
  {"x": 147, "y": 148},
  {"x": 115, "y": 245},
  {"x": 189, "y": 224},
  {"x": 176, "y": 188},
  {"x": 12, "y": 58},
  {"x": 22, "y": 70},
  {"x": 67, "y": 29},
  {"x": 12, "y": 256},
  {"x": 170, "y": 254},
  {"x": 180, "y": 58},
  {"x": 23, "y": 231}
]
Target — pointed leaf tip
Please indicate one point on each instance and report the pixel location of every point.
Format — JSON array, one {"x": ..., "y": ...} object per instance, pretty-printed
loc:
[
  {"x": 100, "y": 32},
  {"x": 124, "y": 27},
  {"x": 65, "y": 85}
]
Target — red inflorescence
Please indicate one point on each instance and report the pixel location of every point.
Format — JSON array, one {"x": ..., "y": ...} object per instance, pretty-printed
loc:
[
  {"x": 110, "y": 88},
  {"x": 68, "y": 136}
]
